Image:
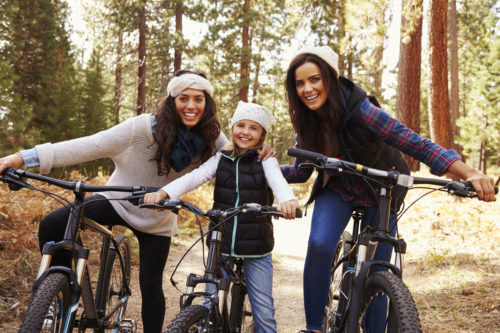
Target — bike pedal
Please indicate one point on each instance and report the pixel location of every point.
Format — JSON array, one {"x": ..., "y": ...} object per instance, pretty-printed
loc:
[{"x": 128, "y": 326}]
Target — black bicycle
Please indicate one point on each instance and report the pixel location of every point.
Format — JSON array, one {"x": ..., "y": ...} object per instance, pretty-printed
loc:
[
  {"x": 59, "y": 291},
  {"x": 203, "y": 311},
  {"x": 353, "y": 290}
]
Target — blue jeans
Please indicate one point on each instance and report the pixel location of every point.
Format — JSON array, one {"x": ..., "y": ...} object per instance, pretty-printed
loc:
[
  {"x": 330, "y": 217},
  {"x": 259, "y": 279}
]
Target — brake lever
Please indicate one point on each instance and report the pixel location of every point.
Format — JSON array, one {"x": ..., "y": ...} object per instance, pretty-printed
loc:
[
  {"x": 15, "y": 181},
  {"x": 460, "y": 190},
  {"x": 309, "y": 164}
]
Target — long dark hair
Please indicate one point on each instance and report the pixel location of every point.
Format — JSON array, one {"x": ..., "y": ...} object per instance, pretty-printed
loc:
[
  {"x": 306, "y": 122},
  {"x": 168, "y": 122}
]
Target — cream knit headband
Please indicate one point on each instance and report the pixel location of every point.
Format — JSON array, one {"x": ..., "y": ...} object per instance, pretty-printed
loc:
[
  {"x": 188, "y": 80},
  {"x": 255, "y": 112}
]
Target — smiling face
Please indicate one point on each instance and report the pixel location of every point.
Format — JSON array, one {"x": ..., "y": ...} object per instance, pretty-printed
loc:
[
  {"x": 190, "y": 104},
  {"x": 247, "y": 134},
  {"x": 309, "y": 86}
]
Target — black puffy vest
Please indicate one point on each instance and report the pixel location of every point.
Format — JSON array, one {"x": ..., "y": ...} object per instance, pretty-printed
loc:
[
  {"x": 242, "y": 180},
  {"x": 357, "y": 144}
]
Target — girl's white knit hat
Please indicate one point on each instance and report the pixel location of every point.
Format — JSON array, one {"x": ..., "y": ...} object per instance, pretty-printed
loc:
[
  {"x": 325, "y": 53},
  {"x": 188, "y": 80},
  {"x": 255, "y": 112}
]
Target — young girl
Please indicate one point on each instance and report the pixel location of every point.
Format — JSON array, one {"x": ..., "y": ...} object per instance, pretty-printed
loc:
[{"x": 240, "y": 178}]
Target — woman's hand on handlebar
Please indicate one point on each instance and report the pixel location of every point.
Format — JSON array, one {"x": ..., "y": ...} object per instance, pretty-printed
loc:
[
  {"x": 154, "y": 198},
  {"x": 11, "y": 161},
  {"x": 483, "y": 184},
  {"x": 288, "y": 208}
]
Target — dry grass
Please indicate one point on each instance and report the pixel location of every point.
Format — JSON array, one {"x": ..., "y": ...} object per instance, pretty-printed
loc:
[{"x": 452, "y": 265}]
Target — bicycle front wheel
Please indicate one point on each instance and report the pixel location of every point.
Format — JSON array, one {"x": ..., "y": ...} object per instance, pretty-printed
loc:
[
  {"x": 115, "y": 280},
  {"x": 388, "y": 306},
  {"x": 338, "y": 293},
  {"x": 49, "y": 306},
  {"x": 191, "y": 319}
]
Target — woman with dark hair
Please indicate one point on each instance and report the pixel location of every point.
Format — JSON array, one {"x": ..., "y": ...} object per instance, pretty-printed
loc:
[
  {"x": 334, "y": 116},
  {"x": 149, "y": 150}
]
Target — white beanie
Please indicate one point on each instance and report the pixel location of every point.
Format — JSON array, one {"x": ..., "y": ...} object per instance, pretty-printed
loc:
[
  {"x": 255, "y": 112},
  {"x": 188, "y": 80},
  {"x": 325, "y": 53}
]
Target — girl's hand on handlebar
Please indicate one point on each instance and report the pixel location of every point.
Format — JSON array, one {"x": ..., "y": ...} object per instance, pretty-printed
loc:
[
  {"x": 288, "y": 208},
  {"x": 154, "y": 198},
  {"x": 11, "y": 161}
]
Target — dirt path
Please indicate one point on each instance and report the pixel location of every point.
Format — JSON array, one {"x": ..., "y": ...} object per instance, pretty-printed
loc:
[{"x": 288, "y": 262}]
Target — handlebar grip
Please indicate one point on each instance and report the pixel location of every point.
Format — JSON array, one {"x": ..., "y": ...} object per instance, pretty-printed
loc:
[
  {"x": 298, "y": 211},
  {"x": 306, "y": 154},
  {"x": 469, "y": 186}
]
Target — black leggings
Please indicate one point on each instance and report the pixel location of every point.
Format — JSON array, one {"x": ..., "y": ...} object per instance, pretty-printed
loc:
[{"x": 153, "y": 253}]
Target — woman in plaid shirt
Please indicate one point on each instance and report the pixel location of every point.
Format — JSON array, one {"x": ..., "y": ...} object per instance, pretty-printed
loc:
[{"x": 335, "y": 117}]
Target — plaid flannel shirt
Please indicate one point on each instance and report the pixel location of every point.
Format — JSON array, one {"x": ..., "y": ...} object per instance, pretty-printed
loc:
[{"x": 392, "y": 132}]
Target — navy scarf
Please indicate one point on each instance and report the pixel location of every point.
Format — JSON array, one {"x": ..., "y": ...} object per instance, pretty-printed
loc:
[{"x": 187, "y": 145}]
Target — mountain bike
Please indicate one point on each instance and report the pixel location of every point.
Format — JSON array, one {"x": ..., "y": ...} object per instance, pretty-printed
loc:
[
  {"x": 214, "y": 315},
  {"x": 60, "y": 292},
  {"x": 355, "y": 286}
]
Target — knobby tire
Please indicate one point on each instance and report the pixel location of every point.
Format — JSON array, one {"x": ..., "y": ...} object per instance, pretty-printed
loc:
[
  {"x": 190, "y": 319},
  {"x": 401, "y": 314},
  {"x": 49, "y": 306},
  {"x": 114, "y": 281},
  {"x": 339, "y": 287}
]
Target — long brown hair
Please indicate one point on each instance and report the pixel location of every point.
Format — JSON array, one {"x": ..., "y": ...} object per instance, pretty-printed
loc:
[
  {"x": 168, "y": 122},
  {"x": 306, "y": 122}
]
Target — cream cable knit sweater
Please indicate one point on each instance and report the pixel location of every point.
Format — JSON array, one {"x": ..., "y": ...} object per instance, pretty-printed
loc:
[{"x": 131, "y": 146}]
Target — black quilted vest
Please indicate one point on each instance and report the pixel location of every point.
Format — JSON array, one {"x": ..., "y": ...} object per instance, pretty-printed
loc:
[
  {"x": 357, "y": 144},
  {"x": 241, "y": 180}
]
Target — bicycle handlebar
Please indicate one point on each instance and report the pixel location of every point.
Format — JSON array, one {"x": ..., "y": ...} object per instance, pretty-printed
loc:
[
  {"x": 177, "y": 204},
  {"x": 14, "y": 177},
  {"x": 321, "y": 161}
]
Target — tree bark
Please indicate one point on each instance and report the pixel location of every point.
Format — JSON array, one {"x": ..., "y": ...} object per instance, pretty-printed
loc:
[
  {"x": 141, "y": 87},
  {"x": 408, "y": 91},
  {"x": 178, "y": 30},
  {"x": 439, "y": 117},
  {"x": 118, "y": 79},
  {"x": 453, "y": 68},
  {"x": 245, "y": 56}
]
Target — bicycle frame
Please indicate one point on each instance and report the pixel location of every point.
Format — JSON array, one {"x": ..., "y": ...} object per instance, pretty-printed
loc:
[
  {"x": 80, "y": 285},
  {"x": 365, "y": 244},
  {"x": 218, "y": 304}
]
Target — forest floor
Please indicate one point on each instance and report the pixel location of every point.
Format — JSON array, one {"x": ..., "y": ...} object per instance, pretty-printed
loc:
[{"x": 452, "y": 265}]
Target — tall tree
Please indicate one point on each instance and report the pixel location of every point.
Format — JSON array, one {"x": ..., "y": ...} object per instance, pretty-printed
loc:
[
  {"x": 141, "y": 70},
  {"x": 37, "y": 48},
  {"x": 178, "y": 33},
  {"x": 453, "y": 66},
  {"x": 439, "y": 116},
  {"x": 245, "y": 53},
  {"x": 408, "y": 91},
  {"x": 479, "y": 62}
]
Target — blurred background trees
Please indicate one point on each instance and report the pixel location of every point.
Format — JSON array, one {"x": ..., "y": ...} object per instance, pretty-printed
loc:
[{"x": 53, "y": 89}]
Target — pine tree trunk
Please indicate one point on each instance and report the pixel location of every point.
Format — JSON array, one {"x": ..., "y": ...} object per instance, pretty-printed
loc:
[
  {"x": 118, "y": 79},
  {"x": 453, "y": 69},
  {"x": 342, "y": 35},
  {"x": 178, "y": 30},
  {"x": 141, "y": 87},
  {"x": 439, "y": 117},
  {"x": 245, "y": 56},
  {"x": 408, "y": 93}
]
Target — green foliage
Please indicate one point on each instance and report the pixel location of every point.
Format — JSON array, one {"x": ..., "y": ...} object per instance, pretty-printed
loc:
[
  {"x": 38, "y": 90},
  {"x": 479, "y": 54}
]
